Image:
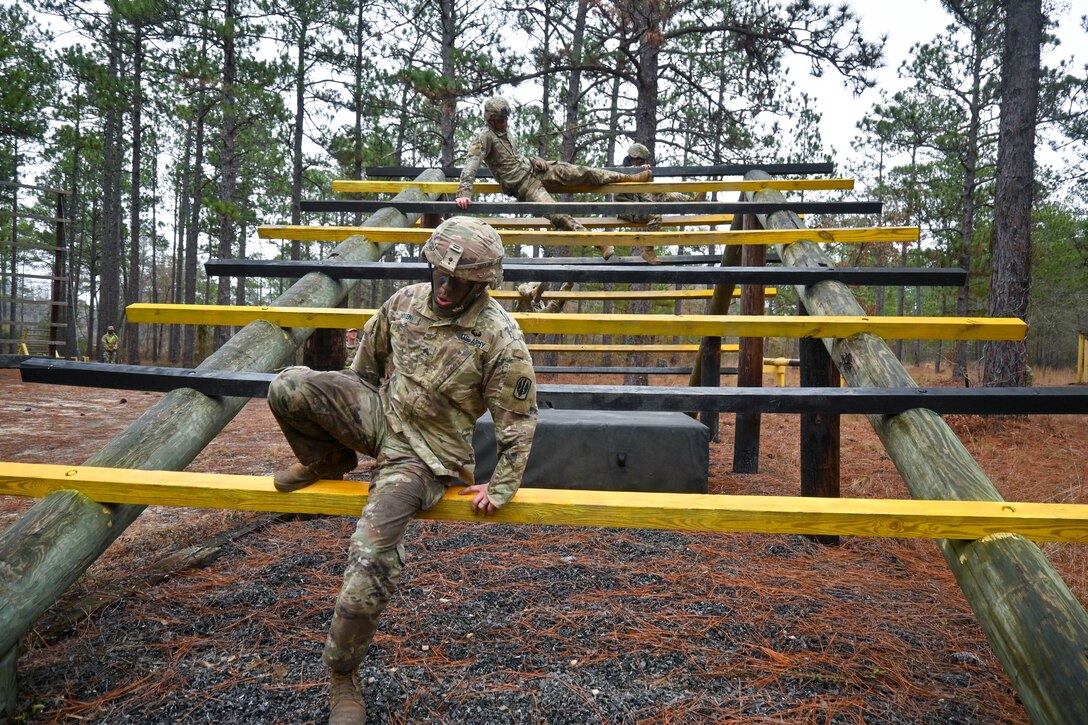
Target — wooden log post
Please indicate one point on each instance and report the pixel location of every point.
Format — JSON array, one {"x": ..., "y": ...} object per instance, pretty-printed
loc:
[
  {"x": 1034, "y": 623},
  {"x": 819, "y": 431},
  {"x": 749, "y": 361},
  {"x": 1082, "y": 358},
  {"x": 55, "y": 541},
  {"x": 710, "y": 348}
]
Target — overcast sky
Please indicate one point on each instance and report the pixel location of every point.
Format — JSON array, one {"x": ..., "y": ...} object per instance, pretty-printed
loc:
[{"x": 905, "y": 23}]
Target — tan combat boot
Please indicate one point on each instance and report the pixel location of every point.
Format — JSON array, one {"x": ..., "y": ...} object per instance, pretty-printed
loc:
[
  {"x": 644, "y": 175},
  {"x": 346, "y": 700},
  {"x": 301, "y": 475},
  {"x": 607, "y": 251},
  {"x": 700, "y": 196},
  {"x": 650, "y": 255}
]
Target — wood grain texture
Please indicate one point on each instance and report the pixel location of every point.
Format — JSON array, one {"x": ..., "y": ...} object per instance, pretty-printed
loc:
[
  {"x": 1036, "y": 626},
  {"x": 830, "y": 326},
  {"x": 647, "y": 187},
  {"x": 681, "y": 512},
  {"x": 559, "y": 238}
]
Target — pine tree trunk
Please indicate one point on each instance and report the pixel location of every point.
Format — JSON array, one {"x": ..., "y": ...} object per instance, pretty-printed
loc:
[
  {"x": 132, "y": 338},
  {"x": 1010, "y": 278}
]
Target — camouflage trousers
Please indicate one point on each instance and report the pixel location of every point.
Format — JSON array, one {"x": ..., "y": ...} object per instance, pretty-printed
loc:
[
  {"x": 321, "y": 413},
  {"x": 562, "y": 174}
]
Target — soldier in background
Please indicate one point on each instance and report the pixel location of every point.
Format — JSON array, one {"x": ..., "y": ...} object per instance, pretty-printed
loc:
[
  {"x": 530, "y": 297},
  {"x": 639, "y": 155},
  {"x": 109, "y": 345},
  {"x": 525, "y": 178},
  {"x": 350, "y": 346},
  {"x": 430, "y": 362}
]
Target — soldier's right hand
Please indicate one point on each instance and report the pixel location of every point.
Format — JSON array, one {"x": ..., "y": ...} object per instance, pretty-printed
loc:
[
  {"x": 539, "y": 164},
  {"x": 463, "y": 202}
]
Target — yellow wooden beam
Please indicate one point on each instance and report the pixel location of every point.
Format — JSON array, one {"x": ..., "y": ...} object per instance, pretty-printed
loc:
[
  {"x": 653, "y": 187},
  {"x": 792, "y": 326},
  {"x": 684, "y": 294},
  {"x": 562, "y": 347},
  {"x": 555, "y": 237},
  {"x": 673, "y": 511}
]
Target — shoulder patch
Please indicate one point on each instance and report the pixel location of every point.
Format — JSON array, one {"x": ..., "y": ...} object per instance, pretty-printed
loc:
[{"x": 522, "y": 388}]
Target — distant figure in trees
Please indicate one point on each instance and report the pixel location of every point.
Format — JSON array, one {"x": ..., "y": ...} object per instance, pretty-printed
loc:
[
  {"x": 430, "y": 362},
  {"x": 639, "y": 155},
  {"x": 531, "y": 294},
  {"x": 351, "y": 344},
  {"x": 525, "y": 178},
  {"x": 109, "y": 345}
]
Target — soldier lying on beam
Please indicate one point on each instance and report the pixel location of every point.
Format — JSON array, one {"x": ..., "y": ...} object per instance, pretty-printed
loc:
[{"x": 525, "y": 178}]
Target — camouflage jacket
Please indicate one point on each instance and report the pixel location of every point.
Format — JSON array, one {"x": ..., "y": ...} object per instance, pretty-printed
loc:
[
  {"x": 109, "y": 341},
  {"x": 499, "y": 151},
  {"x": 647, "y": 197},
  {"x": 437, "y": 376}
]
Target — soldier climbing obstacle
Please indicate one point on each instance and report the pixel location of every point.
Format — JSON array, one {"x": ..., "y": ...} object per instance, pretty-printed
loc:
[
  {"x": 429, "y": 363},
  {"x": 639, "y": 155},
  {"x": 530, "y": 294},
  {"x": 524, "y": 178}
]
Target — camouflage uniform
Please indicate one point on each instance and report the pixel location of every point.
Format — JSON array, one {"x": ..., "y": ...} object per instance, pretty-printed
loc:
[
  {"x": 351, "y": 344},
  {"x": 411, "y": 400},
  {"x": 652, "y": 221},
  {"x": 518, "y": 177},
  {"x": 109, "y": 346},
  {"x": 635, "y": 154},
  {"x": 530, "y": 294}
]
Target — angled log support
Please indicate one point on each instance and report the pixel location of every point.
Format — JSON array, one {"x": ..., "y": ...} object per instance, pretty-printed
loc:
[
  {"x": 1033, "y": 622},
  {"x": 44, "y": 552}
]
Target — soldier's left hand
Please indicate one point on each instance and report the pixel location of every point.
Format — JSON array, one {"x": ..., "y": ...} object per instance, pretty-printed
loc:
[
  {"x": 480, "y": 503},
  {"x": 539, "y": 164}
]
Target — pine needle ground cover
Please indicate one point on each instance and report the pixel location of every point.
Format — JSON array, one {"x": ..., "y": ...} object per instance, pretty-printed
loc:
[{"x": 211, "y": 616}]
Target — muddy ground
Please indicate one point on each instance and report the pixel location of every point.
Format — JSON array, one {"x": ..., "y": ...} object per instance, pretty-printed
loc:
[{"x": 219, "y": 617}]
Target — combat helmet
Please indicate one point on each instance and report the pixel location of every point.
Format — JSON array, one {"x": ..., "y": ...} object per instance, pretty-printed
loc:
[
  {"x": 496, "y": 107},
  {"x": 467, "y": 248},
  {"x": 638, "y": 151}
]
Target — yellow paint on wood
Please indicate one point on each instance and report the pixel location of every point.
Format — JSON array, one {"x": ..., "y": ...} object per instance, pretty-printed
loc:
[
  {"x": 552, "y": 238},
  {"x": 790, "y": 326},
  {"x": 684, "y": 512},
  {"x": 653, "y": 187}
]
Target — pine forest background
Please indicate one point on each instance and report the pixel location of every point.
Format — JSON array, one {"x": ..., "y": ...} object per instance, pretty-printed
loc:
[{"x": 176, "y": 128}]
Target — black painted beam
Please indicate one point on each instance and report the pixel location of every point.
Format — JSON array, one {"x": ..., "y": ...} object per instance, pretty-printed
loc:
[
  {"x": 861, "y": 401},
  {"x": 587, "y": 208},
  {"x": 616, "y": 273},
  {"x": 453, "y": 172}
]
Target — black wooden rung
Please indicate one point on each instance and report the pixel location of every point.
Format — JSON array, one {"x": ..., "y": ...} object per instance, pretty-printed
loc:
[
  {"x": 862, "y": 401},
  {"x": 586, "y": 208},
  {"x": 615, "y": 273}
]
